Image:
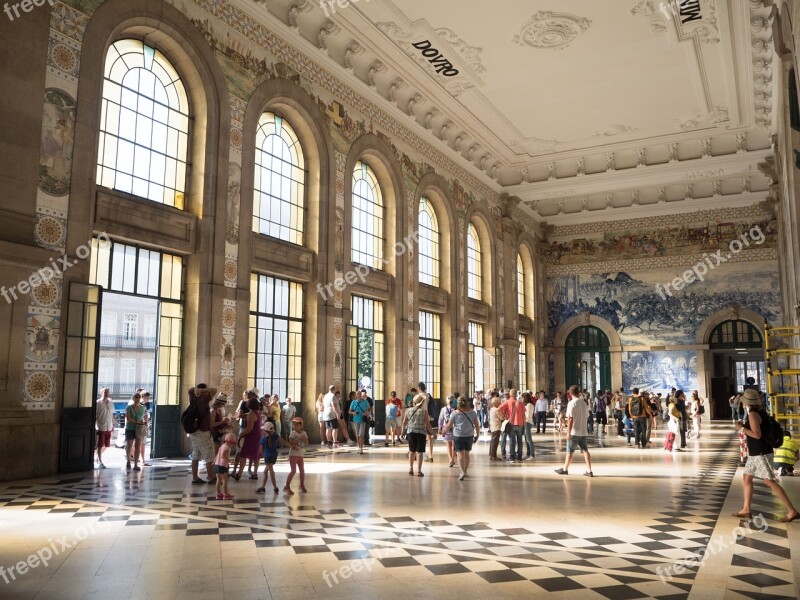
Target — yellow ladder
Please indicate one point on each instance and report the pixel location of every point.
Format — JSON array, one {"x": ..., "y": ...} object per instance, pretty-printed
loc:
[{"x": 783, "y": 384}]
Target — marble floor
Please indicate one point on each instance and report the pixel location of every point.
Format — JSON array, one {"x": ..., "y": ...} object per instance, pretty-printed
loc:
[{"x": 366, "y": 529}]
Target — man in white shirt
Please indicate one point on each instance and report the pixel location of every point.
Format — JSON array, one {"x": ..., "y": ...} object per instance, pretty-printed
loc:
[
  {"x": 541, "y": 411},
  {"x": 104, "y": 420},
  {"x": 330, "y": 418},
  {"x": 577, "y": 431}
]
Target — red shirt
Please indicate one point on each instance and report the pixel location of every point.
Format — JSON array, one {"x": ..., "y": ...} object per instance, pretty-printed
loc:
[{"x": 514, "y": 410}]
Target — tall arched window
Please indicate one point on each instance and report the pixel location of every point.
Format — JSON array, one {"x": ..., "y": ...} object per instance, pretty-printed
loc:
[
  {"x": 520, "y": 285},
  {"x": 428, "y": 246},
  {"x": 367, "y": 238},
  {"x": 144, "y": 125},
  {"x": 474, "y": 265},
  {"x": 279, "y": 180}
]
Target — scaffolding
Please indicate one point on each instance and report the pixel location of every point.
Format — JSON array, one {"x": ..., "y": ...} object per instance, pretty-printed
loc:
[{"x": 783, "y": 381}]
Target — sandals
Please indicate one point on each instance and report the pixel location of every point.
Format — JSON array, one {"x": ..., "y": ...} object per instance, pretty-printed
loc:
[
  {"x": 198, "y": 481},
  {"x": 255, "y": 477},
  {"x": 420, "y": 474},
  {"x": 236, "y": 477},
  {"x": 788, "y": 519},
  {"x": 748, "y": 515},
  {"x": 303, "y": 489},
  {"x": 411, "y": 471},
  {"x": 260, "y": 490}
]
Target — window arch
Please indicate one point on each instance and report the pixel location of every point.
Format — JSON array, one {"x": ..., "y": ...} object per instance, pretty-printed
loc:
[
  {"x": 520, "y": 285},
  {"x": 280, "y": 179},
  {"x": 367, "y": 217},
  {"x": 474, "y": 264},
  {"x": 144, "y": 125},
  {"x": 428, "y": 245}
]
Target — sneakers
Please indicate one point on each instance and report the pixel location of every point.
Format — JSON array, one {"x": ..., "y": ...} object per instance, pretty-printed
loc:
[
  {"x": 101, "y": 466},
  {"x": 288, "y": 491},
  {"x": 260, "y": 490},
  {"x": 276, "y": 490},
  {"x": 303, "y": 489},
  {"x": 589, "y": 474},
  {"x": 220, "y": 496},
  {"x": 461, "y": 477},
  {"x": 562, "y": 471},
  {"x": 227, "y": 496},
  {"x": 335, "y": 446}
]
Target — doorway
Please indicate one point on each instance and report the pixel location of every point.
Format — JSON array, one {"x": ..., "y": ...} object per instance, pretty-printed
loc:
[
  {"x": 588, "y": 359},
  {"x": 365, "y": 355},
  {"x": 737, "y": 355},
  {"x": 140, "y": 335}
]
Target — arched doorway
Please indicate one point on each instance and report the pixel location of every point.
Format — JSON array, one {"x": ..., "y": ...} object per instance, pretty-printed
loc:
[
  {"x": 588, "y": 359},
  {"x": 737, "y": 353}
]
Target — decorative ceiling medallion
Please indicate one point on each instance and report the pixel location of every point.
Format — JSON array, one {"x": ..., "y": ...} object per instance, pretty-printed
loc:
[{"x": 551, "y": 30}]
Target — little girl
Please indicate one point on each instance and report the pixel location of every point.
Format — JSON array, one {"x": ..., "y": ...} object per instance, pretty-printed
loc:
[
  {"x": 221, "y": 464},
  {"x": 298, "y": 440},
  {"x": 269, "y": 448}
]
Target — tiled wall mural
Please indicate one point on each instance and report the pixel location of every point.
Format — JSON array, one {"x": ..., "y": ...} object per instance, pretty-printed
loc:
[
  {"x": 660, "y": 371},
  {"x": 631, "y": 303}
]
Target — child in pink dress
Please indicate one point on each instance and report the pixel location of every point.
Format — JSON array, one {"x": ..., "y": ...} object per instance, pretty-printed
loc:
[
  {"x": 221, "y": 462},
  {"x": 298, "y": 440}
]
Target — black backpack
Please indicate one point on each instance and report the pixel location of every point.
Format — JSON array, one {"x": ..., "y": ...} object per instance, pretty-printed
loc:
[
  {"x": 771, "y": 431},
  {"x": 189, "y": 418},
  {"x": 433, "y": 409},
  {"x": 636, "y": 407}
]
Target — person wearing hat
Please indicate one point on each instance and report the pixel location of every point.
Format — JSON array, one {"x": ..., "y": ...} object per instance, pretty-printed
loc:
[
  {"x": 220, "y": 422},
  {"x": 418, "y": 424},
  {"x": 298, "y": 441},
  {"x": 202, "y": 442},
  {"x": 270, "y": 443},
  {"x": 759, "y": 461}
]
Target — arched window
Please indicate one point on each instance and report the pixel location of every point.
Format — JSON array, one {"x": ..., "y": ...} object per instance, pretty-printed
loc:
[
  {"x": 474, "y": 264},
  {"x": 520, "y": 285},
  {"x": 279, "y": 180},
  {"x": 144, "y": 125},
  {"x": 428, "y": 246},
  {"x": 367, "y": 216}
]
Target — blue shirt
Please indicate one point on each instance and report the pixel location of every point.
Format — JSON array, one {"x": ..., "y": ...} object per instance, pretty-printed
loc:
[
  {"x": 391, "y": 411},
  {"x": 269, "y": 445},
  {"x": 360, "y": 407}
]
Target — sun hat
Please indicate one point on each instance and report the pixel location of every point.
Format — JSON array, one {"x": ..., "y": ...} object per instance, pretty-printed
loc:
[
  {"x": 751, "y": 398},
  {"x": 221, "y": 399},
  {"x": 268, "y": 426},
  {"x": 419, "y": 399},
  {"x": 298, "y": 420}
]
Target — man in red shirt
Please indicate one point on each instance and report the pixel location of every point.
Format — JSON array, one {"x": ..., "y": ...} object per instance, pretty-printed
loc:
[{"x": 513, "y": 410}]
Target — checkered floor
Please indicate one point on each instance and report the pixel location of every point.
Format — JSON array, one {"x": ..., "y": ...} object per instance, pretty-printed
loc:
[{"x": 629, "y": 565}]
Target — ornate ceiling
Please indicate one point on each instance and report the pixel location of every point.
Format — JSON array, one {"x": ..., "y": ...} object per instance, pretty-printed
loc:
[{"x": 585, "y": 110}]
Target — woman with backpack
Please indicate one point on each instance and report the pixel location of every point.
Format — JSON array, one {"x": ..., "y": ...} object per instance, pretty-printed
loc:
[{"x": 758, "y": 430}]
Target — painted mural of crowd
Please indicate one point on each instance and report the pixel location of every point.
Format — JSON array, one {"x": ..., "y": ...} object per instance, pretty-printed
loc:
[
  {"x": 672, "y": 240},
  {"x": 637, "y": 308},
  {"x": 660, "y": 371}
]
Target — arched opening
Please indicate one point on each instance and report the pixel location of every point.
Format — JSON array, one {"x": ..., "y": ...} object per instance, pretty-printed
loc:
[
  {"x": 588, "y": 359},
  {"x": 737, "y": 354}
]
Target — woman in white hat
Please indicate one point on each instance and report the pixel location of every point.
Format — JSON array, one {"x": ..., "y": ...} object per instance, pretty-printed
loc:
[{"x": 759, "y": 463}]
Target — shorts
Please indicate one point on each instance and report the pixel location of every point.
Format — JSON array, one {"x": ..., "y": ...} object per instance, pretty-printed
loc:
[
  {"x": 391, "y": 423},
  {"x": 360, "y": 428},
  {"x": 575, "y": 442},
  {"x": 332, "y": 424},
  {"x": 602, "y": 419},
  {"x": 319, "y": 417},
  {"x": 130, "y": 435},
  {"x": 103, "y": 439},
  {"x": 760, "y": 467},
  {"x": 417, "y": 442},
  {"x": 202, "y": 446},
  {"x": 270, "y": 460},
  {"x": 220, "y": 470},
  {"x": 463, "y": 444}
]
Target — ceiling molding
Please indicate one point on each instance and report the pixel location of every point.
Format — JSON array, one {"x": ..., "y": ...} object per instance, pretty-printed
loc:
[{"x": 657, "y": 210}]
